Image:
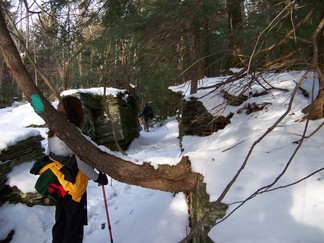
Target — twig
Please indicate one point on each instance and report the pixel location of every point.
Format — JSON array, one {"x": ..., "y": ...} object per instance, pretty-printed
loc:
[
  {"x": 316, "y": 130},
  {"x": 233, "y": 146}
]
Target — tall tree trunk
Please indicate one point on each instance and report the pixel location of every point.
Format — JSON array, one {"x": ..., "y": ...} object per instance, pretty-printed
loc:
[
  {"x": 316, "y": 110},
  {"x": 193, "y": 70},
  {"x": 191, "y": 35},
  {"x": 288, "y": 25},
  {"x": 27, "y": 24},
  {"x": 208, "y": 63},
  {"x": 267, "y": 43},
  {"x": 199, "y": 47},
  {"x": 1, "y": 83},
  {"x": 235, "y": 19}
]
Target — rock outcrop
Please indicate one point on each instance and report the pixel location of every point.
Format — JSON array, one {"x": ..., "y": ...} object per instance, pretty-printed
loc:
[
  {"x": 196, "y": 120},
  {"x": 25, "y": 150},
  {"x": 114, "y": 116}
]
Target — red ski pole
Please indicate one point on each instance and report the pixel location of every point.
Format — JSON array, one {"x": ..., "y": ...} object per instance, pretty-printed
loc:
[{"x": 107, "y": 214}]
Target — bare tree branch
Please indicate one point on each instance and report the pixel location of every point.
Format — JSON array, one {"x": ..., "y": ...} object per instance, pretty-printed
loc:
[
  {"x": 77, "y": 52},
  {"x": 26, "y": 51},
  {"x": 269, "y": 130}
]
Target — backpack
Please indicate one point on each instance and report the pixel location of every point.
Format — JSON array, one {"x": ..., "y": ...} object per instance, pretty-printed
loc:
[
  {"x": 58, "y": 177},
  {"x": 45, "y": 179}
]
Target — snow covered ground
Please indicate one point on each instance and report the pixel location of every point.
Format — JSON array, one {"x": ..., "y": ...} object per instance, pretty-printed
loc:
[{"x": 291, "y": 214}]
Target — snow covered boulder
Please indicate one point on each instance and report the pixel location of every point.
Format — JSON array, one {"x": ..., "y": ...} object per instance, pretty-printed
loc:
[
  {"x": 27, "y": 149},
  {"x": 196, "y": 120},
  {"x": 116, "y": 115}
]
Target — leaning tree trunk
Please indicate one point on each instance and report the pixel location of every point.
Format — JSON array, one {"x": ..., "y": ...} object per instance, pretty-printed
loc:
[{"x": 166, "y": 178}]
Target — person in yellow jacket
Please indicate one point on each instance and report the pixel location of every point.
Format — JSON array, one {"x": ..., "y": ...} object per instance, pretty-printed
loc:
[{"x": 71, "y": 202}]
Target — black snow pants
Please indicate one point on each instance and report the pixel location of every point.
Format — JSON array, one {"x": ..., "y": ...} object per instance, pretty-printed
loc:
[{"x": 70, "y": 216}]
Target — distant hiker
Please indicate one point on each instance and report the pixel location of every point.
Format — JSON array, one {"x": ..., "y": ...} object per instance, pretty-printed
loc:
[
  {"x": 147, "y": 115},
  {"x": 71, "y": 197}
]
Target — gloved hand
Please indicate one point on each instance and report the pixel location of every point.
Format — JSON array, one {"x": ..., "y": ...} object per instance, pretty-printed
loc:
[{"x": 102, "y": 179}]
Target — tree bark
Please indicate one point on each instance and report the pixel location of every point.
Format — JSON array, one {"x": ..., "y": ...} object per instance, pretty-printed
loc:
[
  {"x": 316, "y": 110},
  {"x": 166, "y": 178},
  {"x": 235, "y": 19}
]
